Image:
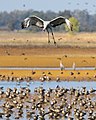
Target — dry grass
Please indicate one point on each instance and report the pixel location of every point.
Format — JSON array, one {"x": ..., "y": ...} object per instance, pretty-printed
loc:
[{"x": 37, "y": 39}]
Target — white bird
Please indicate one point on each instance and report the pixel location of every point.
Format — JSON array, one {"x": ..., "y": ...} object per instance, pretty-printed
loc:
[
  {"x": 74, "y": 66},
  {"x": 46, "y": 25},
  {"x": 61, "y": 66}
]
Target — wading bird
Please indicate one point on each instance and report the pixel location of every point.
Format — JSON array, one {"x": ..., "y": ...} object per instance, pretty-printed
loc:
[
  {"x": 45, "y": 25},
  {"x": 61, "y": 66},
  {"x": 74, "y": 66}
]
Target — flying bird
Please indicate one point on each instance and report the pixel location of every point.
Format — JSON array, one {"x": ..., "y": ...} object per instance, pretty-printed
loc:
[
  {"x": 46, "y": 25},
  {"x": 24, "y": 5}
]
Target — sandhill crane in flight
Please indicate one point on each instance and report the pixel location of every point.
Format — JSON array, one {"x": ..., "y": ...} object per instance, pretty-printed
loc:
[{"x": 45, "y": 25}]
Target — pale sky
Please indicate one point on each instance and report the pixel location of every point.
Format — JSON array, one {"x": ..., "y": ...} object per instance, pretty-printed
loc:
[{"x": 45, "y": 5}]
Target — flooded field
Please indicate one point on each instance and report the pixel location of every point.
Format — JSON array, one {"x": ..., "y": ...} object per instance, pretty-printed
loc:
[{"x": 47, "y": 100}]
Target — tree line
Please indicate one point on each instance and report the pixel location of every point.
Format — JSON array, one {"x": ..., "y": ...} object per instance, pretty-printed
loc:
[{"x": 12, "y": 20}]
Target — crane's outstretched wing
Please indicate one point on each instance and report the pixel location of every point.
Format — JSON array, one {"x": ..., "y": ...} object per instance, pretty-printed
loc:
[
  {"x": 60, "y": 20},
  {"x": 36, "y": 21},
  {"x": 57, "y": 21}
]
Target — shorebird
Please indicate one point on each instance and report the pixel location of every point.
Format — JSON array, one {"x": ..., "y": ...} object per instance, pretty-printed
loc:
[{"x": 46, "y": 25}]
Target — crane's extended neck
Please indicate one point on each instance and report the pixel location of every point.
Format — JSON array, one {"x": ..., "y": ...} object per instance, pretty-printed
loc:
[
  {"x": 68, "y": 24},
  {"x": 46, "y": 23}
]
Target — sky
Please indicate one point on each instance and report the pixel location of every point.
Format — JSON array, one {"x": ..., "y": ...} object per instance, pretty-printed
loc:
[{"x": 45, "y": 5}]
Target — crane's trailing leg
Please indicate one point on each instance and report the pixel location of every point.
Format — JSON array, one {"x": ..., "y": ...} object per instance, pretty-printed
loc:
[{"x": 53, "y": 37}]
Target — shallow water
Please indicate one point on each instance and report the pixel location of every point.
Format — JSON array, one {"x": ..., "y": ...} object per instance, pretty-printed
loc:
[
  {"x": 40, "y": 68},
  {"x": 47, "y": 84}
]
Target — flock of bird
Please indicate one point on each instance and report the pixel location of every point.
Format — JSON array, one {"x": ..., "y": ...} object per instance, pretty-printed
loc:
[
  {"x": 48, "y": 104},
  {"x": 77, "y": 4}
]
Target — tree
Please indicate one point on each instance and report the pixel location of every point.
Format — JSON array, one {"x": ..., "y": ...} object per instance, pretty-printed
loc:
[{"x": 81, "y": 19}]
